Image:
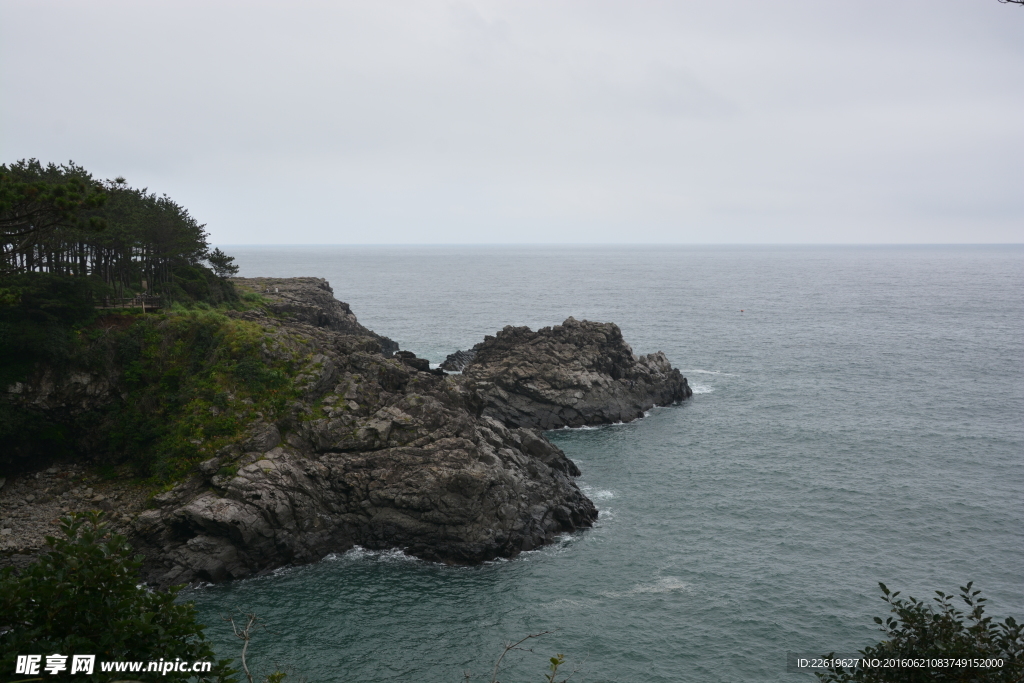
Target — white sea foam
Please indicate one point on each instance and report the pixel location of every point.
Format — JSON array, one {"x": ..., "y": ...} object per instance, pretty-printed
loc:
[
  {"x": 597, "y": 494},
  {"x": 360, "y": 553},
  {"x": 566, "y": 602},
  {"x": 706, "y": 372},
  {"x": 701, "y": 388},
  {"x": 668, "y": 584},
  {"x": 604, "y": 426}
]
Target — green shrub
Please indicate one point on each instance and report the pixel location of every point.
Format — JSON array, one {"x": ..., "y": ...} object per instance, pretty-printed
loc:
[
  {"x": 193, "y": 382},
  {"x": 925, "y": 633},
  {"x": 83, "y": 597},
  {"x": 39, "y": 316}
]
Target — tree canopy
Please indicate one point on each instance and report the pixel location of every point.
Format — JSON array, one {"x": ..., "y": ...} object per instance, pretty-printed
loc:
[
  {"x": 37, "y": 203},
  {"x": 221, "y": 263},
  {"x": 60, "y": 220}
]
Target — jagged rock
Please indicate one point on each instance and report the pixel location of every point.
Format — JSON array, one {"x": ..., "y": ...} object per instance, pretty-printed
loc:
[
  {"x": 409, "y": 358},
  {"x": 457, "y": 362},
  {"x": 574, "y": 374},
  {"x": 398, "y": 458},
  {"x": 310, "y": 300},
  {"x": 70, "y": 393}
]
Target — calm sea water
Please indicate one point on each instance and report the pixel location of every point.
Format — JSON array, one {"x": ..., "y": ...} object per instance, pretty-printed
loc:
[{"x": 857, "y": 418}]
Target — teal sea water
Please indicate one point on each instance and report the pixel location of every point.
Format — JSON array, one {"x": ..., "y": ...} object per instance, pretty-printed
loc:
[{"x": 858, "y": 417}]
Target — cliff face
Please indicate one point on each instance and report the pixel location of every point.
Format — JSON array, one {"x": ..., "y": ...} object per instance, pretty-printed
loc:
[
  {"x": 574, "y": 374},
  {"x": 378, "y": 453}
]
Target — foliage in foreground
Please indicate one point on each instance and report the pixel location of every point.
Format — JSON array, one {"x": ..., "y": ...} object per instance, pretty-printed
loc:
[
  {"x": 83, "y": 597},
  {"x": 920, "y": 631}
]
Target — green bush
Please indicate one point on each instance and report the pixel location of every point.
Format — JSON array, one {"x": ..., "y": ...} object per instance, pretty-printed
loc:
[
  {"x": 199, "y": 284},
  {"x": 39, "y": 315},
  {"x": 193, "y": 381},
  {"x": 930, "y": 634},
  {"x": 83, "y": 597}
]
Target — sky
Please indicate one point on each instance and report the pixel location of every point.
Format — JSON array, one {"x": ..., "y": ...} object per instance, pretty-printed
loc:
[{"x": 535, "y": 121}]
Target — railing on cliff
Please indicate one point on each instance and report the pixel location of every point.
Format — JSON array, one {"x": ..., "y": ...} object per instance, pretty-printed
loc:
[{"x": 147, "y": 302}]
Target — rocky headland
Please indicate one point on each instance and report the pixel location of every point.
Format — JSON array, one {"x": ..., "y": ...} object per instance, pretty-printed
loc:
[{"x": 374, "y": 449}]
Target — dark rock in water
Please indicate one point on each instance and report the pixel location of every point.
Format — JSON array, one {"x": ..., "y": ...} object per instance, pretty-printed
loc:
[
  {"x": 457, "y": 362},
  {"x": 310, "y": 300},
  {"x": 574, "y": 374},
  {"x": 422, "y": 364}
]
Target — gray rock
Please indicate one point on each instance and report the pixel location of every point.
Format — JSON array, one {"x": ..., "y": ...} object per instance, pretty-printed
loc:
[
  {"x": 457, "y": 362},
  {"x": 394, "y": 457},
  {"x": 263, "y": 437},
  {"x": 310, "y": 300},
  {"x": 380, "y": 451},
  {"x": 574, "y": 374},
  {"x": 422, "y": 364}
]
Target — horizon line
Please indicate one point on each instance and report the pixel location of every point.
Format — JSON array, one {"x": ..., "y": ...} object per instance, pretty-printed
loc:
[{"x": 619, "y": 244}]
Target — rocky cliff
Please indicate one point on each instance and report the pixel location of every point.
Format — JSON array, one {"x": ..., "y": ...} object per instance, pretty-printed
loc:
[
  {"x": 364, "y": 446},
  {"x": 456, "y": 362},
  {"x": 379, "y": 454},
  {"x": 309, "y": 300}
]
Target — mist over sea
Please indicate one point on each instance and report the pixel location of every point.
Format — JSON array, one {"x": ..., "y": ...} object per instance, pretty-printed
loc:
[{"x": 858, "y": 417}]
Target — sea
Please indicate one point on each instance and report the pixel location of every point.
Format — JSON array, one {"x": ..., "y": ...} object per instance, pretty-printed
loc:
[{"x": 857, "y": 417}]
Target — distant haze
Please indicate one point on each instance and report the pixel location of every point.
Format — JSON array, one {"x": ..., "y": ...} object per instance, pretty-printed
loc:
[{"x": 530, "y": 122}]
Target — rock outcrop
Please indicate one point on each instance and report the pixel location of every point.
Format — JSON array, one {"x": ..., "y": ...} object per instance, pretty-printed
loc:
[
  {"x": 378, "y": 453},
  {"x": 457, "y": 362},
  {"x": 310, "y": 300},
  {"x": 574, "y": 374}
]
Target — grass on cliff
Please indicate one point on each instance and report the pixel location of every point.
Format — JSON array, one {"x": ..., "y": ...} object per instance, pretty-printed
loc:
[
  {"x": 192, "y": 382},
  {"x": 188, "y": 381}
]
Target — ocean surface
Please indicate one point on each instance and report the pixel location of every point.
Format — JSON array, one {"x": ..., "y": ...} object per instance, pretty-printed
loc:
[{"x": 858, "y": 417}]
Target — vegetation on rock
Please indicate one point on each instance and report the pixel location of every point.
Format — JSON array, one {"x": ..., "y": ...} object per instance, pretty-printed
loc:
[
  {"x": 171, "y": 389},
  {"x": 70, "y": 246}
]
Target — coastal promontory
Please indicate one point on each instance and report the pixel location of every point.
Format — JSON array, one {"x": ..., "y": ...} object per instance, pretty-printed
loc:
[{"x": 325, "y": 436}]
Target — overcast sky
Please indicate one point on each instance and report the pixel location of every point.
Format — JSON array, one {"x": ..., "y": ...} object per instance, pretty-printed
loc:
[{"x": 718, "y": 121}]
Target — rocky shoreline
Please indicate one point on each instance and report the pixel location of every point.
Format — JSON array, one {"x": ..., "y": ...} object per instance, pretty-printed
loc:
[{"x": 380, "y": 451}]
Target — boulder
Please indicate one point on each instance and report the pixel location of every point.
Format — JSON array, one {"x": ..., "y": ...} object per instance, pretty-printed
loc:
[{"x": 456, "y": 362}]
